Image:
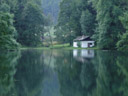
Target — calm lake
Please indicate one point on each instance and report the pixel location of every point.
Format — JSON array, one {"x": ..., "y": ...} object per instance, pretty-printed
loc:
[{"x": 63, "y": 73}]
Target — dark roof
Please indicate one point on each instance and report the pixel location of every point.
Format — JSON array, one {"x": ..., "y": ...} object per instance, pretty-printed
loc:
[{"x": 83, "y": 38}]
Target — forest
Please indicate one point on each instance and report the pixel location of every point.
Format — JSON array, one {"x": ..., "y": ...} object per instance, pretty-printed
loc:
[
  {"x": 24, "y": 22},
  {"x": 106, "y": 21}
]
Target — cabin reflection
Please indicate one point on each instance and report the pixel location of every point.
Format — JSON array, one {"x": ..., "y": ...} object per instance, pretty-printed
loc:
[{"x": 83, "y": 55}]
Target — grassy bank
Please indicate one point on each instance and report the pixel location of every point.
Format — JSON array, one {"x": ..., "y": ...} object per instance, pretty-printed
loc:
[
  {"x": 67, "y": 46},
  {"x": 24, "y": 48},
  {"x": 57, "y": 46}
]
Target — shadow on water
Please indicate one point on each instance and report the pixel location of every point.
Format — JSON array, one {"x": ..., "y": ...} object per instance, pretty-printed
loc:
[{"x": 64, "y": 73}]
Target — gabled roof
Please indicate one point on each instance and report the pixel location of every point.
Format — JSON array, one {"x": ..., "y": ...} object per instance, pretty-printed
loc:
[{"x": 83, "y": 38}]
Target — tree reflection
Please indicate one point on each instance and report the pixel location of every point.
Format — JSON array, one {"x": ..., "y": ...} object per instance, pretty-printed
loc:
[
  {"x": 110, "y": 78},
  {"x": 8, "y": 62},
  {"x": 104, "y": 75},
  {"x": 30, "y": 73},
  {"x": 122, "y": 63},
  {"x": 38, "y": 71},
  {"x": 107, "y": 81},
  {"x": 76, "y": 78}
]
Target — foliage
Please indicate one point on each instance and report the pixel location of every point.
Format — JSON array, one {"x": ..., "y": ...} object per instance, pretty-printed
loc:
[
  {"x": 123, "y": 42},
  {"x": 96, "y": 18},
  {"x": 29, "y": 23},
  {"x": 75, "y": 18},
  {"x": 87, "y": 23},
  {"x": 33, "y": 23},
  {"x": 68, "y": 25},
  {"x": 109, "y": 25},
  {"x": 7, "y": 32},
  {"x": 104, "y": 21}
]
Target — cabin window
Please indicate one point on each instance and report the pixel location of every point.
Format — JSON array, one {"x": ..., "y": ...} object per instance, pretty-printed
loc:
[{"x": 90, "y": 43}]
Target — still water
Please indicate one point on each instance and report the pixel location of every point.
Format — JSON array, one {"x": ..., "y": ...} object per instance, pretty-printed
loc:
[{"x": 63, "y": 73}]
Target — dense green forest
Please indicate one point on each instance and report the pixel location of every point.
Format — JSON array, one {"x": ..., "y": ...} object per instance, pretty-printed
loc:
[
  {"x": 21, "y": 23},
  {"x": 24, "y": 22},
  {"x": 106, "y": 21}
]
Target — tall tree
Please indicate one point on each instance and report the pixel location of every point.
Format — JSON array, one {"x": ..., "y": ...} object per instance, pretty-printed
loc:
[
  {"x": 68, "y": 20},
  {"x": 7, "y": 29},
  {"x": 88, "y": 18},
  {"x": 109, "y": 25},
  {"x": 87, "y": 23},
  {"x": 122, "y": 44},
  {"x": 29, "y": 22}
]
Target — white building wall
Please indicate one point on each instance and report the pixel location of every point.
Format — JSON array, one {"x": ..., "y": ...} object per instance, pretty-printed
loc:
[
  {"x": 75, "y": 44},
  {"x": 84, "y": 44}
]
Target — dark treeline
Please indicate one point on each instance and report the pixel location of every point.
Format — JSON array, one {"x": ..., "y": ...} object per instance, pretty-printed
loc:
[
  {"x": 21, "y": 21},
  {"x": 104, "y": 20}
]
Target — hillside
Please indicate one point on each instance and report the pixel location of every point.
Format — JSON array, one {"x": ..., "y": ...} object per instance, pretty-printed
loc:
[{"x": 51, "y": 7}]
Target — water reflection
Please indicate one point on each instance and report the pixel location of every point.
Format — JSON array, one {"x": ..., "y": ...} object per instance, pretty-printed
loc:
[
  {"x": 62, "y": 73},
  {"x": 30, "y": 73},
  {"x": 8, "y": 63},
  {"x": 83, "y": 54}
]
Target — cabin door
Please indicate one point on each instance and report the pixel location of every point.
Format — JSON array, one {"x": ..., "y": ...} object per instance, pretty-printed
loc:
[{"x": 88, "y": 45}]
